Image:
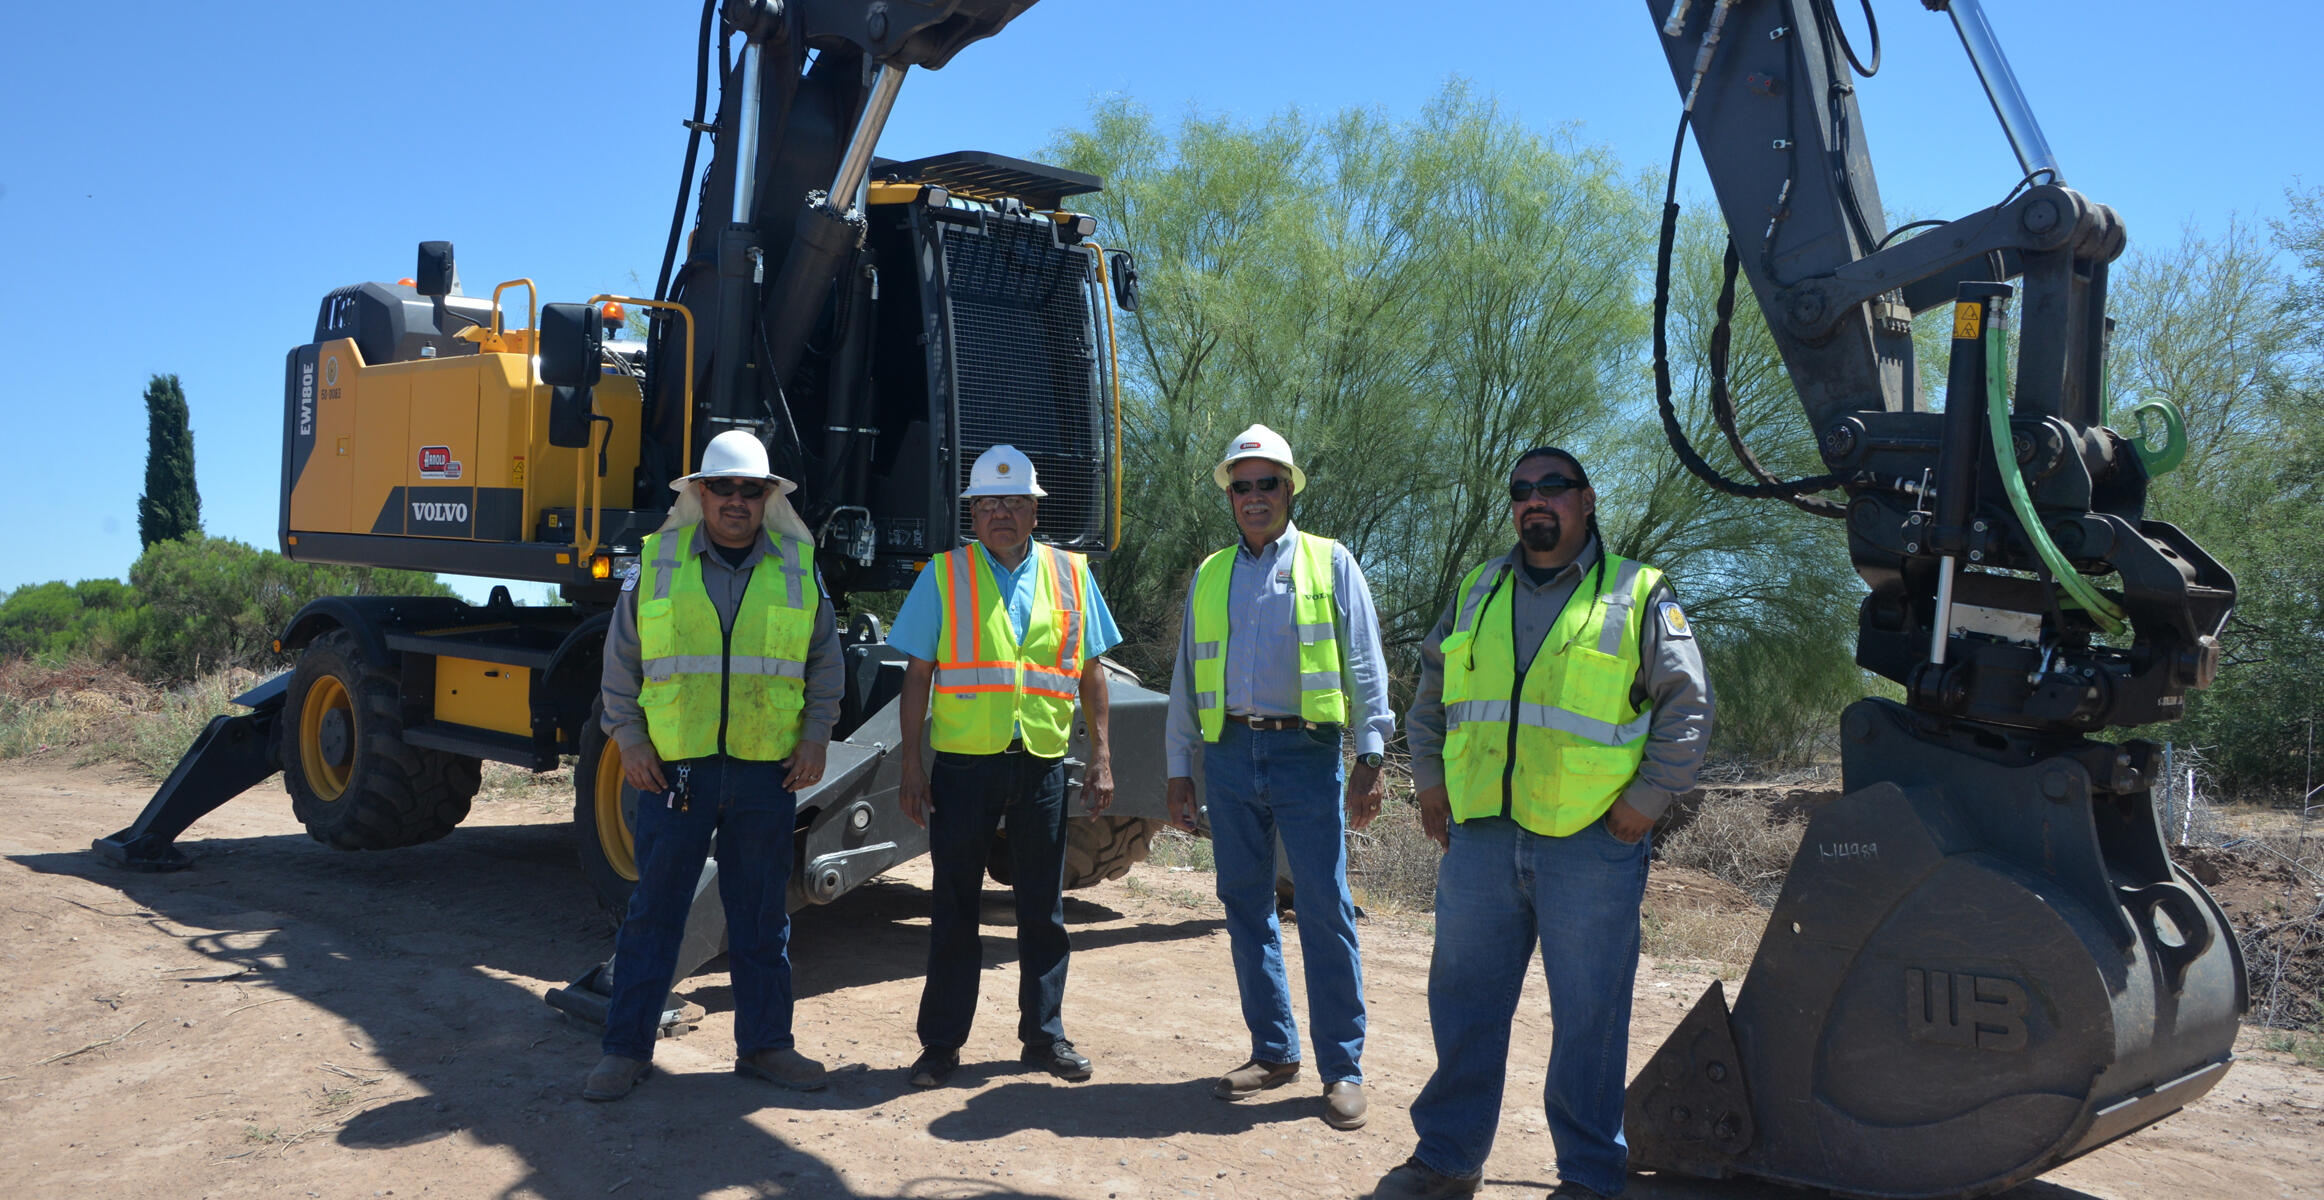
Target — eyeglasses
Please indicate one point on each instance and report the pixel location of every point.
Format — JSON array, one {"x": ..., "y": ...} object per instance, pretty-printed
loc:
[
  {"x": 986, "y": 504},
  {"x": 748, "y": 489},
  {"x": 1550, "y": 487},
  {"x": 1265, "y": 483}
]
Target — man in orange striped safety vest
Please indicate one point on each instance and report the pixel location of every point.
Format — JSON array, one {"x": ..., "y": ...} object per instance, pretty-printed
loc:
[{"x": 1002, "y": 637}]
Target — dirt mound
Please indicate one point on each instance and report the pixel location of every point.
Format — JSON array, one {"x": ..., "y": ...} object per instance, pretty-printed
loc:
[{"x": 2278, "y": 912}]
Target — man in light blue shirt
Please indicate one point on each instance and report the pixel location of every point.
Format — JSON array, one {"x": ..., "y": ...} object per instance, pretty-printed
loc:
[
  {"x": 1000, "y": 742},
  {"x": 1269, "y": 726}
]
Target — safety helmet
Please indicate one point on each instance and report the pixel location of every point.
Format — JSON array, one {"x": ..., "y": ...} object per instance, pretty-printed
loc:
[
  {"x": 735, "y": 454},
  {"x": 1003, "y": 471},
  {"x": 1259, "y": 442}
]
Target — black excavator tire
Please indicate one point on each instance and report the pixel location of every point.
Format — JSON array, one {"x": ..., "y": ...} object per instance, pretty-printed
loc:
[
  {"x": 1097, "y": 849},
  {"x": 392, "y": 794}
]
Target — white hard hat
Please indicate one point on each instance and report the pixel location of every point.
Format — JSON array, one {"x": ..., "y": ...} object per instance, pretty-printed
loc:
[
  {"x": 1259, "y": 442},
  {"x": 1003, "y": 471},
  {"x": 735, "y": 454}
]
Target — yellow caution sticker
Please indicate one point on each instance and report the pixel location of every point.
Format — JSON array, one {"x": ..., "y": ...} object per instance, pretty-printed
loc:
[
  {"x": 1967, "y": 316},
  {"x": 516, "y": 471}
]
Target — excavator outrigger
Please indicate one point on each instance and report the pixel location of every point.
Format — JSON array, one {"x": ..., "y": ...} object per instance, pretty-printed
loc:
[{"x": 1983, "y": 962}]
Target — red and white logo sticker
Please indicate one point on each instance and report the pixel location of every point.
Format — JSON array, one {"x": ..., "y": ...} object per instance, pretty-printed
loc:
[
  {"x": 1248, "y": 446},
  {"x": 436, "y": 462}
]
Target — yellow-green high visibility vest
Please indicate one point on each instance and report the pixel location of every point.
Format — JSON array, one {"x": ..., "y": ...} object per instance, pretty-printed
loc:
[
  {"x": 1323, "y": 696},
  {"x": 1551, "y": 749},
  {"x": 699, "y": 676},
  {"x": 991, "y": 686}
]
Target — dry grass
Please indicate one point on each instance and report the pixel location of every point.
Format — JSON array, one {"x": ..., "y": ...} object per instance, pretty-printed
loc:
[
  {"x": 541, "y": 791},
  {"x": 1737, "y": 838},
  {"x": 1391, "y": 863},
  {"x": 83, "y": 713},
  {"x": 1723, "y": 937}
]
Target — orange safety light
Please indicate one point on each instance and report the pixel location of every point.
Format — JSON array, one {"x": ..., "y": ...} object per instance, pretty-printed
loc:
[
  {"x": 407, "y": 281},
  {"x": 614, "y": 312},
  {"x": 600, "y": 567}
]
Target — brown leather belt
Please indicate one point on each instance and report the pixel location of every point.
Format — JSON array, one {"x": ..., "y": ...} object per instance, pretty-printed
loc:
[{"x": 1270, "y": 724}]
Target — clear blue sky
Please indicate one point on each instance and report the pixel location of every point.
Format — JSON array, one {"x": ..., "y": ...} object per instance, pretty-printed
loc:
[{"x": 178, "y": 188}]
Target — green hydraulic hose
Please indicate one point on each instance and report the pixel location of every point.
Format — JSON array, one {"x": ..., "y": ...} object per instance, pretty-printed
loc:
[{"x": 2088, "y": 598}]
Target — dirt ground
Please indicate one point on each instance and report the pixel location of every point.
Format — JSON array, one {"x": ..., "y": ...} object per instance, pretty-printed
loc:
[{"x": 287, "y": 1020}]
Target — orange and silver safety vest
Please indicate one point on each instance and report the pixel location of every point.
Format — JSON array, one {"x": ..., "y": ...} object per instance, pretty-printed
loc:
[
  {"x": 992, "y": 687},
  {"x": 1553, "y": 748}
]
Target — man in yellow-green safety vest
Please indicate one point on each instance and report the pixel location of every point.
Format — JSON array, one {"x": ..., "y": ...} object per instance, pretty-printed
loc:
[
  {"x": 722, "y": 680},
  {"x": 1002, "y": 637},
  {"x": 1279, "y": 661},
  {"x": 1562, "y": 705}
]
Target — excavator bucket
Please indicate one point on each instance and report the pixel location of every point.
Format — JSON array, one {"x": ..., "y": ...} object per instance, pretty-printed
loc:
[{"x": 1983, "y": 964}]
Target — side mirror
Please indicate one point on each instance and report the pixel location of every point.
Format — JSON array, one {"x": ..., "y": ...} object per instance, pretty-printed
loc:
[
  {"x": 569, "y": 347},
  {"x": 435, "y": 276},
  {"x": 1124, "y": 270},
  {"x": 569, "y": 417}
]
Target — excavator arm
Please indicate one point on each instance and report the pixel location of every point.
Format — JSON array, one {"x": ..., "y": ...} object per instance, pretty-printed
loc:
[{"x": 1984, "y": 962}]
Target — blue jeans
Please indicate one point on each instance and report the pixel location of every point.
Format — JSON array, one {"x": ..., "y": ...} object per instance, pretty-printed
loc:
[
  {"x": 969, "y": 795},
  {"x": 1499, "y": 890},
  {"x": 752, "y": 814},
  {"x": 1257, "y": 783}
]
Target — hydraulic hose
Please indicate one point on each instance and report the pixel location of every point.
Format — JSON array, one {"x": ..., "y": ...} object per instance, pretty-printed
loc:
[{"x": 2085, "y": 595}]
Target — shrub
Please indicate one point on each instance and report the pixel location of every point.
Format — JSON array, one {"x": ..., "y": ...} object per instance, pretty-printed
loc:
[{"x": 207, "y": 603}]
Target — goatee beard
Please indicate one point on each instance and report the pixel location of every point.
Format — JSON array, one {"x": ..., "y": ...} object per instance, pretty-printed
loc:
[{"x": 1542, "y": 536}]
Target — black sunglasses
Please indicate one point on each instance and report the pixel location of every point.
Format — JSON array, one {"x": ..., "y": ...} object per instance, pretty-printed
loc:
[
  {"x": 1265, "y": 483},
  {"x": 748, "y": 489},
  {"x": 1550, "y": 487}
]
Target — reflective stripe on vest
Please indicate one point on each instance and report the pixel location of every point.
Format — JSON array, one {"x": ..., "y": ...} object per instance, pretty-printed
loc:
[
  {"x": 992, "y": 687},
  {"x": 1323, "y": 697},
  {"x": 1551, "y": 749},
  {"x": 700, "y": 674}
]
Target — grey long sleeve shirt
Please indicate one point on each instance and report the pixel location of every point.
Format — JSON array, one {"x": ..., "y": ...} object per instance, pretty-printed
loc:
[
  {"x": 1262, "y": 651},
  {"x": 624, "y": 673},
  {"x": 1671, "y": 681}
]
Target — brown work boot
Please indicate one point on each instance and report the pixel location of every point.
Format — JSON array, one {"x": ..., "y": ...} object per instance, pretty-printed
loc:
[
  {"x": 1254, "y": 1077},
  {"x": 1343, "y": 1104},
  {"x": 613, "y": 1077},
  {"x": 783, "y": 1068}
]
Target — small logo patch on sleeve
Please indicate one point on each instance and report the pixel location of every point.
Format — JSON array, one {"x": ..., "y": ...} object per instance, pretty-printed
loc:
[
  {"x": 1674, "y": 621},
  {"x": 629, "y": 576}
]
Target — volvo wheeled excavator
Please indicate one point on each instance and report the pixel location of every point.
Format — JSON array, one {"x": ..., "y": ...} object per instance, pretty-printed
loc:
[
  {"x": 1983, "y": 962},
  {"x": 876, "y": 324}
]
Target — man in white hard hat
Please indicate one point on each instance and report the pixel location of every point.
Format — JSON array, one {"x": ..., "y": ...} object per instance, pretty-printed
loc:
[
  {"x": 1006, "y": 633},
  {"x": 1278, "y": 659},
  {"x": 722, "y": 681}
]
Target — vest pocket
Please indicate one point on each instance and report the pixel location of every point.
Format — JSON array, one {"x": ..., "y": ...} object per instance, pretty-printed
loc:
[{"x": 1595, "y": 685}]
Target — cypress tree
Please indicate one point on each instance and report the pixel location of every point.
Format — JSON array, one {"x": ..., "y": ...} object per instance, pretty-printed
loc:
[{"x": 171, "y": 508}]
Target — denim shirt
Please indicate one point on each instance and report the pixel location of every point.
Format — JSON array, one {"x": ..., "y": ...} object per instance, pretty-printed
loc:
[{"x": 1262, "y": 651}]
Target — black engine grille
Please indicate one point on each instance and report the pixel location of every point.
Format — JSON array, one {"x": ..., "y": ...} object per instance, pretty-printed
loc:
[{"x": 1026, "y": 367}]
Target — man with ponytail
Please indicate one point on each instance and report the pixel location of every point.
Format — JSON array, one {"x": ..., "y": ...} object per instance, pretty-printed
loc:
[
  {"x": 722, "y": 681},
  {"x": 1562, "y": 705}
]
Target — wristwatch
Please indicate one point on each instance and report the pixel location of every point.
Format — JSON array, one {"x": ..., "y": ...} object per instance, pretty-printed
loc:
[{"x": 1373, "y": 759}]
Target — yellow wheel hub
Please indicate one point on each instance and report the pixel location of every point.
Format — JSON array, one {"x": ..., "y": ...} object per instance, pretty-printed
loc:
[
  {"x": 327, "y": 738},
  {"x": 613, "y": 836}
]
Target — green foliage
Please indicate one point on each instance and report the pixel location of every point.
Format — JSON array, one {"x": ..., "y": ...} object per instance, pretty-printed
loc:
[
  {"x": 171, "y": 507},
  {"x": 190, "y": 607},
  {"x": 55, "y": 620},
  {"x": 207, "y": 603},
  {"x": 1413, "y": 304},
  {"x": 2221, "y": 329}
]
